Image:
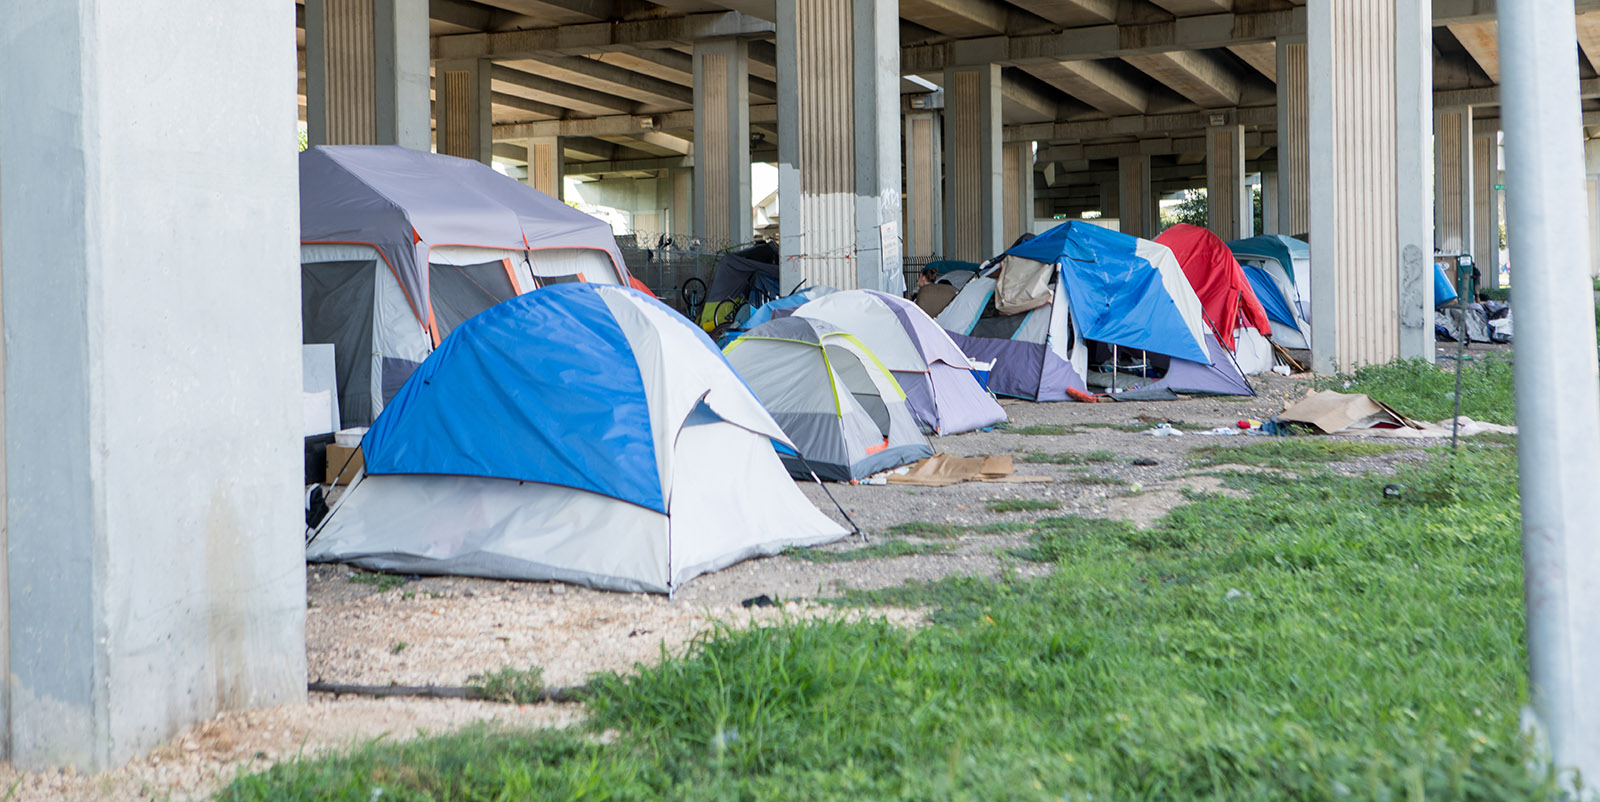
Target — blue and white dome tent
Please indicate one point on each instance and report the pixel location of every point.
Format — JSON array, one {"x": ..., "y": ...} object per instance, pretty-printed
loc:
[{"x": 583, "y": 433}]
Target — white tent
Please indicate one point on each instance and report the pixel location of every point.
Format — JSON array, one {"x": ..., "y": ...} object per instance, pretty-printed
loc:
[{"x": 581, "y": 433}]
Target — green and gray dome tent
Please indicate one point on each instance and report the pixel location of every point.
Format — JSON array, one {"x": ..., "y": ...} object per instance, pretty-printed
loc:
[{"x": 842, "y": 408}]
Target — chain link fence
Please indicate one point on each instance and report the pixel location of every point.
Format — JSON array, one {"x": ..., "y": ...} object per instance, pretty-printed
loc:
[{"x": 665, "y": 263}]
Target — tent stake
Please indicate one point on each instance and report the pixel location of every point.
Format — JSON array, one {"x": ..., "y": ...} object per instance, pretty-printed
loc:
[{"x": 855, "y": 527}]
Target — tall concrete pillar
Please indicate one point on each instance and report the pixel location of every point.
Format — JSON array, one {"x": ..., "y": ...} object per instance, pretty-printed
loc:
[
  {"x": 1486, "y": 205},
  {"x": 1269, "y": 202},
  {"x": 1370, "y": 67},
  {"x": 924, "y": 157},
  {"x": 722, "y": 142},
  {"x": 154, "y": 572},
  {"x": 1293, "y": 202},
  {"x": 367, "y": 73},
  {"x": 545, "y": 165},
  {"x": 839, "y": 143},
  {"x": 680, "y": 217},
  {"x": 1227, "y": 197},
  {"x": 1591, "y": 189},
  {"x": 974, "y": 216},
  {"x": 1017, "y": 184},
  {"x": 1136, "y": 202},
  {"x": 462, "y": 111},
  {"x": 1452, "y": 180}
]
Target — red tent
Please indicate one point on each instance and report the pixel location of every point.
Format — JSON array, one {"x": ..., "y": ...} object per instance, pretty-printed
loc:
[{"x": 1219, "y": 281}]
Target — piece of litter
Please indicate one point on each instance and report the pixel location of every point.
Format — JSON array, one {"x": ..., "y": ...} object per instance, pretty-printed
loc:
[
  {"x": 1235, "y": 593},
  {"x": 1221, "y": 431},
  {"x": 1145, "y": 461},
  {"x": 1164, "y": 430}
]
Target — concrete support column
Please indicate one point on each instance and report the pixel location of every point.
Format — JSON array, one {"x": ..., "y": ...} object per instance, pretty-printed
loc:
[
  {"x": 924, "y": 156},
  {"x": 154, "y": 573},
  {"x": 1227, "y": 197},
  {"x": 1293, "y": 198},
  {"x": 839, "y": 143},
  {"x": 1486, "y": 205},
  {"x": 1591, "y": 189},
  {"x": 367, "y": 73},
  {"x": 680, "y": 214},
  {"x": 1269, "y": 202},
  {"x": 1136, "y": 202},
  {"x": 545, "y": 165},
  {"x": 1452, "y": 180},
  {"x": 974, "y": 216},
  {"x": 461, "y": 109},
  {"x": 722, "y": 142},
  {"x": 1017, "y": 166},
  {"x": 1370, "y": 68}
]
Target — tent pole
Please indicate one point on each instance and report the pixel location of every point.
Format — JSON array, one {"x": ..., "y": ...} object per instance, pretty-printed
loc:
[{"x": 1558, "y": 399}]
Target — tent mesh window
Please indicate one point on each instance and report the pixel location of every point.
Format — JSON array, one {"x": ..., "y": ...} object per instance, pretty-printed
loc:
[
  {"x": 458, "y": 293},
  {"x": 336, "y": 300}
]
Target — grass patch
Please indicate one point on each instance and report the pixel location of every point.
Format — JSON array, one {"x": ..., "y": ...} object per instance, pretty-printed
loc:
[
  {"x": 383, "y": 582},
  {"x": 509, "y": 685},
  {"x": 1023, "y": 505},
  {"x": 1041, "y": 429},
  {"x": 1070, "y": 457},
  {"x": 1425, "y": 392},
  {"x": 1288, "y": 453},
  {"x": 873, "y": 551},
  {"x": 1316, "y": 642}
]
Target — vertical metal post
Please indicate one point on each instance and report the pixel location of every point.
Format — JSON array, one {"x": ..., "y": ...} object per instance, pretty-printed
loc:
[{"x": 1558, "y": 394}]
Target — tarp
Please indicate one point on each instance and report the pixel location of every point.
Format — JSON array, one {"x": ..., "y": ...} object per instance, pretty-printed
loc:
[
  {"x": 736, "y": 272},
  {"x": 1117, "y": 295},
  {"x": 405, "y": 202},
  {"x": 1444, "y": 290},
  {"x": 1218, "y": 281}
]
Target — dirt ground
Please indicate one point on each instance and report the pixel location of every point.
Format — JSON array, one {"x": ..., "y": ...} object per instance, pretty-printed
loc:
[{"x": 442, "y": 630}]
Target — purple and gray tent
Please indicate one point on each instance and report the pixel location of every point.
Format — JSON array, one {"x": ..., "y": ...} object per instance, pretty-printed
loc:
[
  {"x": 839, "y": 405},
  {"x": 398, "y": 247},
  {"x": 940, "y": 388},
  {"x": 1069, "y": 301}
]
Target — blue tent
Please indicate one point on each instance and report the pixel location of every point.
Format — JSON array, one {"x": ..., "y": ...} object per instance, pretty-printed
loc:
[
  {"x": 1444, "y": 290},
  {"x": 1118, "y": 295},
  {"x": 1284, "y": 250},
  {"x": 581, "y": 432}
]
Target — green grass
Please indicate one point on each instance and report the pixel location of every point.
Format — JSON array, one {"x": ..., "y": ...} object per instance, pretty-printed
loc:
[
  {"x": 509, "y": 685},
  {"x": 925, "y": 529},
  {"x": 1070, "y": 457},
  {"x": 1315, "y": 642},
  {"x": 383, "y": 582},
  {"x": 1041, "y": 429},
  {"x": 1288, "y": 453},
  {"x": 876, "y": 550},
  {"x": 1098, "y": 479},
  {"x": 1023, "y": 505},
  {"x": 1427, "y": 393}
]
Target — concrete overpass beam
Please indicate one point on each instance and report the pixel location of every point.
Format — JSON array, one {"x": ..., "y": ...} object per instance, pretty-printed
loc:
[
  {"x": 1136, "y": 201},
  {"x": 1293, "y": 198},
  {"x": 1227, "y": 197},
  {"x": 152, "y": 576},
  {"x": 924, "y": 146},
  {"x": 1370, "y": 74},
  {"x": 839, "y": 143},
  {"x": 1452, "y": 180},
  {"x": 367, "y": 73},
  {"x": 1017, "y": 185},
  {"x": 974, "y": 215},
  {"x": 1486, "y": 203},
  {"x": 722, "y": 142},
  {"x": 462, "y": 109},
  {"x": 545, "y": 165}
]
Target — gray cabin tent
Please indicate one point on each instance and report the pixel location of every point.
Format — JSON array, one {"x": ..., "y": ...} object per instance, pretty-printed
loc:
[
  {"x": 839, "y": 405},
  {"x": 398, "y": 247}
]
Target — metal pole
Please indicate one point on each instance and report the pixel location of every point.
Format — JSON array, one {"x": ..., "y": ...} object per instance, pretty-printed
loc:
[{"x": 1558, "y": 382}]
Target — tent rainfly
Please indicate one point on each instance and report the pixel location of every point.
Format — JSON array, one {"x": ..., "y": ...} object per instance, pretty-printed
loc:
[
  {"x": 1279, "y": 270},
  {"x": 1226, "y": 297},
  {"x": 581, "y": 433},
  {"x": 840, "y": 406},
  {"x": 940, "y": 388},
  {"x": 1079, "y": 297},
  {"x": 399, "y": 247}
]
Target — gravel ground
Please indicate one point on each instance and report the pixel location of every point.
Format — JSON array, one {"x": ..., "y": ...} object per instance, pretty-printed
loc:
[{"x": 442, "y": 630}]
